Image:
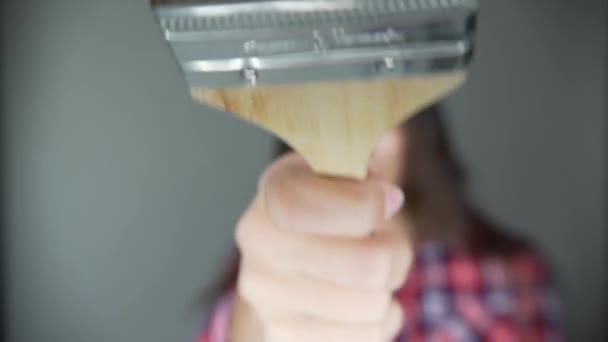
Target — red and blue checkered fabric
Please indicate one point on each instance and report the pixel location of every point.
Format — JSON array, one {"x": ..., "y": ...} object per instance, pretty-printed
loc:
[{"x": 453, "y": 296}]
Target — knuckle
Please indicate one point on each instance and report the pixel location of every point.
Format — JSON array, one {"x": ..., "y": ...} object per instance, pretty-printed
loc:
[
  {"x": 402, "y": 267},
  {"x": 377, "y": 306},
  {"x": 377, "y": 198},
  {"x": 282, "y": 203},
  {"x": 396, "y": 314},
  {"x": 251, "y": 225},
  {"x": 375, "y": 265},
  {"x": 245, "y": 287},
  {"x": 398, "y": 280},
  {"x": 253, "y": 288},
  {"x": 242, "y": 230},
  {"x": 371, "y": 201},
  {"x": 247, "y": 232},
  {"x": 276, "y": 170},
  {"x": 393, "y": 321}
]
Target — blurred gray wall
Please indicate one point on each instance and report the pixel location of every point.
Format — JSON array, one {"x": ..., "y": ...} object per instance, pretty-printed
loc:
[{"x": 122, "y": 194}]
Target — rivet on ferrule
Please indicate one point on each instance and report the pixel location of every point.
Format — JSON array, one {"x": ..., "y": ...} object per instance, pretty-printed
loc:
[
  {"x": 387, "y": 64},
  {"x": 251, "y": 75}
]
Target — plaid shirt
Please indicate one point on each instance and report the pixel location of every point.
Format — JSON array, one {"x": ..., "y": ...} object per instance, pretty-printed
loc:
[{"x": 453, "y": 296}]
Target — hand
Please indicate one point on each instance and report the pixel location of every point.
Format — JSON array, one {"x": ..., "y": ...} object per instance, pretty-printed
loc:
[{"x": 320, "y": 259}]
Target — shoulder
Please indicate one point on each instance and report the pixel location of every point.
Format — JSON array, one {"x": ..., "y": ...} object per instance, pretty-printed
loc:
[
  {"x": 485, "y": 237},
  {"x": 496, "y": 248},
  {"x": 519, "y": 283}
]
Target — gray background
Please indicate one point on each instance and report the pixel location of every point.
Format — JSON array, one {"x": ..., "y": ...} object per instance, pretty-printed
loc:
[{"x": 122, "y": 193}]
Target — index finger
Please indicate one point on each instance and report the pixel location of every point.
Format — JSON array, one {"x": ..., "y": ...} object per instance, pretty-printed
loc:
[{"x": 295, "y": 198}]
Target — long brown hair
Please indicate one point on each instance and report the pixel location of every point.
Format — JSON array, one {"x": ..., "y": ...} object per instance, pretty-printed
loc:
[{"x": 434, "y": 184}]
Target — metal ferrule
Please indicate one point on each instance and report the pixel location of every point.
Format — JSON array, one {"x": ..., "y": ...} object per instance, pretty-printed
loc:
[{"x": 234, "y": 43}]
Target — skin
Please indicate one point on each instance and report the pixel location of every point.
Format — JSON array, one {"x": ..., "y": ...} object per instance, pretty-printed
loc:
[{"x": 321, "y": 257}]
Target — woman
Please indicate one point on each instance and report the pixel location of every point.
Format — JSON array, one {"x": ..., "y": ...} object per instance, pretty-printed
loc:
[{"x": 332, "y": 260}]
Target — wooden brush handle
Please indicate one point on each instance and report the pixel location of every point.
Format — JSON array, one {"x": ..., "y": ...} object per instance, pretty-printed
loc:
[{"x": 335, "y": 126}]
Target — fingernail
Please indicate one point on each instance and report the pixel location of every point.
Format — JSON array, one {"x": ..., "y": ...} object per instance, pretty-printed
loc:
[{"x": 394, "y": 199}]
